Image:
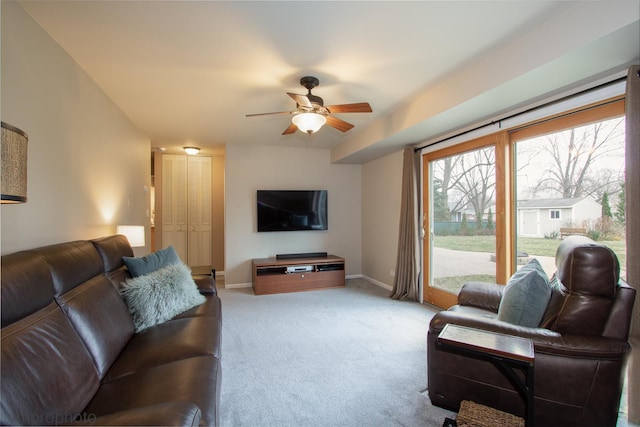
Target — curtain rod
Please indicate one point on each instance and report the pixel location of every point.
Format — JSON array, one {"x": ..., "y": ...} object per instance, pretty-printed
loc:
[{"x": 546, "y": 104}]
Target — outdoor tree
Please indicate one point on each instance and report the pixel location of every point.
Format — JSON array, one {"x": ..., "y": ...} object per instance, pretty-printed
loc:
[
  {"x": 464, "y": 181},
  {"x": 475, "y": 180},
  {"x": 464, "y": 228},
  {"x": 442, "y": 177},
  {"x": 490, "y": 226},
  {"x": 606, "y": 209},
  {"x": 573, "y": 155},
  {"x": 619, "y": 215},
  {"x": 440, "y": 203}
]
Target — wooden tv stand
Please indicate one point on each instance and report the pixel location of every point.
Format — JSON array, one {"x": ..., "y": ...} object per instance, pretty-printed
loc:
[{"x": 271, "y": 276}]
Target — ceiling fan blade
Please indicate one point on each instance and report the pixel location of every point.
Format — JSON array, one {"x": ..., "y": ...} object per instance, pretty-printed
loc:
[
  {"x": 358, "y": 107},
  {"x": 339, "y": 124},
  {"x": 291, "y": 129},
  {"x": 301, "y": 100},
  {"x": 268, "y": 114}
]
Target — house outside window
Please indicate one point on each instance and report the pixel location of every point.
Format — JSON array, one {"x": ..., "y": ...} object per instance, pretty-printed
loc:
[{"x": 554, "y": 214}]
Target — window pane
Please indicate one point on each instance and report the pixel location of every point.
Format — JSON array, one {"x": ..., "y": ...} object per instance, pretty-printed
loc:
[
  {"x": 462, "y": 219},
  {"x": 571, "y": 182}
]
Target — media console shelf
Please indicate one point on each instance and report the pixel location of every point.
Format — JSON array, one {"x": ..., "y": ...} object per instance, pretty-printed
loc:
[{"x": 274, "y": 276}]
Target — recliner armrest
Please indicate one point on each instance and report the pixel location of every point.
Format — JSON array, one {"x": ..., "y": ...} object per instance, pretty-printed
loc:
[
  {"x": 545, "y": 341},
  {"x": 482, "y": 295}
]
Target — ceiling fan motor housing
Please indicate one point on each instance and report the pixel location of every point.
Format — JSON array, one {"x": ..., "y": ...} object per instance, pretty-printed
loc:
[{"x": 310, "y": 82}]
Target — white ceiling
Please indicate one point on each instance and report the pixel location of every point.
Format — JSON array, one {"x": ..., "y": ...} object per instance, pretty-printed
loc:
[{"x": 187, "y": 72}]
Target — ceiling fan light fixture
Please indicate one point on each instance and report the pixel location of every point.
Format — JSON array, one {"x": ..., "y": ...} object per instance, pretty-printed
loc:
[
  {"x": 192, "y": 151},
  {"x": 309, "y": 122}
]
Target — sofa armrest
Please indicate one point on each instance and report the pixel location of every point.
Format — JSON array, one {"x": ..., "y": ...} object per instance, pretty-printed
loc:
[
  {"x": 545, "y": 341},
  {"x": 206, "y": 284},
  {"x": 168, "y": 414},
  {"x": 481, "y": 295}
]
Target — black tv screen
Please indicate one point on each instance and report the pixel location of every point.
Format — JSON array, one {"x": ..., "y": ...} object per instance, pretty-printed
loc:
[{"x": 292, "y": 210}]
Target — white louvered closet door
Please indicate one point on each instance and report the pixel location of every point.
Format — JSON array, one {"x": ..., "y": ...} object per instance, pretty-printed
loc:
[
  {"x": 174, "y": 203},
  {"x": 186, "y": 209},
  {"x": 200, "y": 239}
]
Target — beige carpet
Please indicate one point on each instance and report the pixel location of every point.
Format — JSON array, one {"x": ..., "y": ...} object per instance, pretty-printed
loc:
[{"x": 338, "y": 357}]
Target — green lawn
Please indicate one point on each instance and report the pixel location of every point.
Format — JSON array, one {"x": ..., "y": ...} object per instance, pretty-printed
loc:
[{"x": 532, "y": 246}]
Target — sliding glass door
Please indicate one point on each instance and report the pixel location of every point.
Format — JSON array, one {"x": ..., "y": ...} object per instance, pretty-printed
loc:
[
  {"x": 460, "y": 216},
  {"x": 492, "y": 204},
  {"x": 570, "y": 181}
]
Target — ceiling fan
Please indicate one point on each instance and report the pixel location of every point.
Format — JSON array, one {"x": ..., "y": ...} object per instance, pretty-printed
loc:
[{"x": 311, "y": 113}]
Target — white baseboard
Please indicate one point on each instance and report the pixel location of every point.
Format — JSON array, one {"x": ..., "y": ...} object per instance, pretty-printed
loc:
[
  {"x": 369, "y": 279},
  {"x": 378, "y": 283},
  {"x": 237, "y": 285}
]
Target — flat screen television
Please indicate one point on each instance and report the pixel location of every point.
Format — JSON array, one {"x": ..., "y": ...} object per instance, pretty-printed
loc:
[{"x": 292, "y": 210}]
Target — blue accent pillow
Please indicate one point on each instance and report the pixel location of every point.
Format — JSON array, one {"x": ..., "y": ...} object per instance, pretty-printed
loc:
[
  {"x": 526, "y": 296},
  {"x": 152, "y": 262}
]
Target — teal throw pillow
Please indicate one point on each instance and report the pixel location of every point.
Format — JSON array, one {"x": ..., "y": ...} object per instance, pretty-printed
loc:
[
  {"x": 161, "y": 295},
  {"x": 152, "y": 262},
  {"x": 526, "y": 296}
]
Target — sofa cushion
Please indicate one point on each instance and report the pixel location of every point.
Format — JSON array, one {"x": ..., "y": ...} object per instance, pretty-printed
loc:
[
  {"x": 118, "y": 276},
  {"x": 101, "y": 318},
  {"x": 27, "y": 285},
  {"x": 168, "y": 342},
  {"x": 212, "y": 308},
  {"x": 158, "y": 296},
  {"x": 196, "y": 380},
  {"x": 71, "y": 263},
  {"x": 48, "y": 376},
  {"x": 525, "y": 297},
  {"x": 111, "y": 250},
  {"x": 152, "y": 262}
]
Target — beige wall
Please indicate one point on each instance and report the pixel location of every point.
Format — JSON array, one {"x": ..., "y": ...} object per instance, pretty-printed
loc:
[
  {"x": 250, "y": 168},
  {"x": 88, "y": 165},
  {"x": 381, "y": 194}
]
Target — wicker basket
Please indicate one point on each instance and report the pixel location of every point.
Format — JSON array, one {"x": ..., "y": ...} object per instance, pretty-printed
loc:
[{"x": 475, "y": 415}]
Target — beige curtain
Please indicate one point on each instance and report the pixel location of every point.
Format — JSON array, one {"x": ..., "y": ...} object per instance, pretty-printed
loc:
[
  {"x": 632, "y": 198},
  {"x": 406, "y": 284}
]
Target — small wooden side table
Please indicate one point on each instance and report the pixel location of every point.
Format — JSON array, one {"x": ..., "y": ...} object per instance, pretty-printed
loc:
[{"x": 507, "y": 352}]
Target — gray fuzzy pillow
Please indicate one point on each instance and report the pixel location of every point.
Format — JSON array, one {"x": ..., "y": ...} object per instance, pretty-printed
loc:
[{"x": 160, "y": 295}]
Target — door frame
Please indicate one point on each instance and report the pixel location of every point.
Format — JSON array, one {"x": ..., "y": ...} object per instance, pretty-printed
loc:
[{"x": 504, "y": 218}]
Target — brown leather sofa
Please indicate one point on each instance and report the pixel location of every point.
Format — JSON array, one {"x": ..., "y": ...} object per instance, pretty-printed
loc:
[
  {"x": 70, "y": 354},
  {"x": 580, "y": 346}
]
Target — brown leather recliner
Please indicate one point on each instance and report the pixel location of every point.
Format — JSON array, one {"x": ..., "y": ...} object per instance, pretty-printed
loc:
[{"x": 581, "y": 345}]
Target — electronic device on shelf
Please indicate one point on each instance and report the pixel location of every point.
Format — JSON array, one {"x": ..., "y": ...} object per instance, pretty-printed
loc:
[
  {"x": 302, "y": 255},
  {"x": 299, "y": 268},
  {"x": 330, "y": 267}
]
